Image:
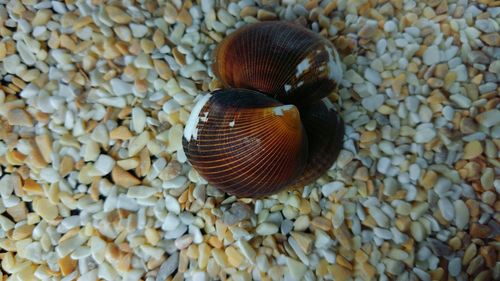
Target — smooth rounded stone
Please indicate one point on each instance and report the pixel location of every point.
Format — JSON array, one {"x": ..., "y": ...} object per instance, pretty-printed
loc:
[
  {"x": 331, "y": 187},
  {"x": 172, "y": 204},
  {"x": 489, "y": 118},
  {"x": 422, "y": 275},
  {"x": 372, "y": 76},
  {"x": 382, "y": 233},
  {"x": 121, "y": 87},
  {"x": 446, "y": 208},
  {"x": 461, "y": 100},
  {"x": 448, "y": 112},
  {"x": 383, "y": 165},
  {"x": 454, "y": 266},
  {"x": 393, "y": 267},
  {"x": 296, "y": 269},
  {"x": 431, "y": 55},
  {"x": 168, "y": 267},
  {"x": 104, "y": 164},
  {"x": 170, "y": 222},
  {"x": 50, "y": 175},
  {"x": 417, "y": 231},
  {"x": 424, "y": 135},
  {"x": 419, "y": 210},
  {"x": 372, "y": 103},
  {"x": 442, "y": 186},
  {"x": 236, "y": 213},
  {"x": 488, "y": 178},
  {"x": 380, "y": 217},
  {"x": 286, "y": 226},
  {"x": 461, "y": 214},
  {"x": 265, "y": 229}
]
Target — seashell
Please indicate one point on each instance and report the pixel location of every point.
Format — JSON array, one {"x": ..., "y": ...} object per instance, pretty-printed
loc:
[
  {"x": 286, "y": 61},
  {"x": 325, "y": 132},
  {"x": 273, "y": 128},
  {"x": 245, "y": 142}
]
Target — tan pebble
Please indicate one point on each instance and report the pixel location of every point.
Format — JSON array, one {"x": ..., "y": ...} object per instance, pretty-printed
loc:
[
  {"x": 455, "y": 243},
  {"x": 123, "y": 178},
  {"x": 147, "y": 46},
  {"x": 31, "y": 187},
  {"x": 368, "y": 271},
  {"x": 44, "y": 144},
  {"x": 322, "y": 223},
  {"x": 42, "y": 17},
  {"x": 18, "y": 212},
  {"x": 472, "y": 150},
  {"x": 178, "y": 56},
  {"x": 304, "y": 240},
  {"x": 117, "y": 15},
  {"x": 184, "y": 17},
  {"x": 45, "y": 209},
  {"x": 469, "y": 253},
  {"x": 435, "y": 82},
  {"x": 339, "y": 272},
  {"x": 483, "y": 276},
  {"x": 264, "y": 15},
  {"x": 491, "y": 39},
  {"x": 203, "y": 255},
  {"x": 489, "y": 254},
  {"x": 234, "y": 257},
  {"x": 475, "y": 264},
  {"x": 480, "y": 231},
  {"x": 344, "y": 236},
  {"x": 141, "y": 85},
  {"x": 19, "y": 117},
  {"x": 120, "y": 133},
  {"x": 437, "y": 274},
  {"x": 66, "y": 166},
  {"x": 66, "y": 265},
  {"x": 429, "y": 179},
  {"x": 3, "y": 50},
  {"x": 22, "y": 231},
  {"x": 248, "y": 11}
]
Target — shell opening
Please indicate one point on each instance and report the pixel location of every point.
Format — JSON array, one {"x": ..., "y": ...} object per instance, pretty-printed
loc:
[{"x": 191, "y": 130}]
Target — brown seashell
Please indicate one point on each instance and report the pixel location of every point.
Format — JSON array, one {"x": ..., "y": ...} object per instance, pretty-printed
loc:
[
  {"x": 245, "y": 142},
  {"x": 325, "y": 133},
  {"x": 282, "y": 59}
]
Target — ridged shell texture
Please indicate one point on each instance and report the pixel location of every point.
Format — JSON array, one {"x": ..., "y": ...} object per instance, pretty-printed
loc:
[{"x": 272, "y": 128}]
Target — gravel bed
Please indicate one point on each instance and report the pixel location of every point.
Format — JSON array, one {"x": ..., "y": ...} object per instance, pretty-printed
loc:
[{"x": 94, "y": 184}]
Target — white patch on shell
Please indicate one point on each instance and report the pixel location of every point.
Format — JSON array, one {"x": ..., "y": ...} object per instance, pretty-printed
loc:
[
  {"x": 191, "y": 129},
  {"x": 279, "y": 110},
  {"x": 300, "y": 83},
  {"x": 288, "y": 87},
  {"x": 302, "y": 66},
  {"x": 231, "y": 124},
  {"x": 204, "y": 118},
  {"x": 334, "y": 65}
]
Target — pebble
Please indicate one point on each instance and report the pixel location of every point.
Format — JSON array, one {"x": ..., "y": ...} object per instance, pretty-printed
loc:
[
  {"x": 431, "y": 55},
  {"x": 446, "y": 208},
  {"x": 121, "y": 87},
  {"x": 372, "y": 103},
  {"x": 104, "y": 164},
  {"x": 266, "y": 228},
  {"x": 489, "y": 118},
  {"x": 424, "y": 135},
  {"x": 454, "y": 267},
  {"x": 168, "y": 266},
  {"x": 296, "y": 269}
]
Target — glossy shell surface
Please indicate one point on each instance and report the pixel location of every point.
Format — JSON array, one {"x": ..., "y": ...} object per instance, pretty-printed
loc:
[
  {"x": 325, "y": 133},
  {"x": 245, "y": 142},
  {"x": 287, "y": 62}
]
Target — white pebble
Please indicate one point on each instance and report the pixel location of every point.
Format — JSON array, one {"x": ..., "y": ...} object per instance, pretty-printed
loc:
[{"x": 446, "y": 208}]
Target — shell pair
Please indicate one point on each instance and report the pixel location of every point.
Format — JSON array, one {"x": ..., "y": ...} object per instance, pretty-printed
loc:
[{"x": 273, "y": 127}]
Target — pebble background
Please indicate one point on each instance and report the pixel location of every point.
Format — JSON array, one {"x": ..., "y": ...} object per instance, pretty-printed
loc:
[{"x": 94, "y": 95}]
